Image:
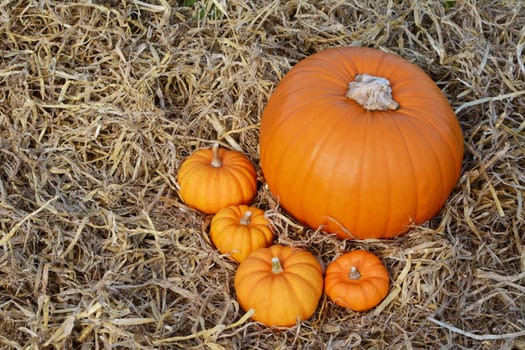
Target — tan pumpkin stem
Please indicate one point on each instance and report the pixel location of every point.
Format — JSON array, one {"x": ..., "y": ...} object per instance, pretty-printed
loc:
[
  {"x": 371, "y": 92},
  {"x": 276, "y": 265},
  {"x": 245, "y": 220},
  {"x": 216, "y": 160},
  {"x": 354, "y": 273}
]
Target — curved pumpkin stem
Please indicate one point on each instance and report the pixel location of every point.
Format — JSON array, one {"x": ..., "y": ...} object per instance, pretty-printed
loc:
[
  {"x": 245, "y": 220},
  {"x": 216, "y": 160},
  {"x": 371, "y": 92},
  {"x": 354, "y": 273},
  {"x": 276, "y": 266}
]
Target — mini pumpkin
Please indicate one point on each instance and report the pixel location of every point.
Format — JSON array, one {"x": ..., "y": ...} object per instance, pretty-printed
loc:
[
  {"x": 360, "y": 142},
  {"x": 238, "y": 230},
  {"x": 211, "y": 179},
  {"x": 357, "y": 280},
  {"x": 281, "y": 284}
]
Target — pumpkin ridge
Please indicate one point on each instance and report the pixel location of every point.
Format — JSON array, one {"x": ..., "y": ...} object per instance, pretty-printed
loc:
[
  {"x": 269, "y": 133},
  {"x": 369, "y": 149},
  {"x": 247, "y": 240},
  {"x": 262, "y": 235},
  {"x": 239, "y": 164},
  {"x": 370, "y": 286},
  {"x": 239, "y": 210},
  {"x": 263, "y": 238},
  {"x": 312, "y": 261},
  {"x": 379, "y": 279},
  {"x": 299, "y": 293},
  {"x": 202, "y": 190},
  {"x": 336, "y": 124},
  {"x": 237, "y": 188},
  {"x": 302, "y": 278},
  {"x": 385, "y": 62},
  {"x": 238, "y": 161},
  {"x": 346, "y": 60},
  {"x": 314, "y": 156},
  {"x": 360, "y": 171},
  {"x": 366, "y": 296},
  {"x": 188, "y": 168},
  {"x": 339, "y": 290},
  {"x": 233, "y": 173},
  {"x": 264, "y": 261},
  {"x": 341, "y": 153},
  {"x": 298, "y": 304},
  {"x": 436, "y": 129},
  {"x": 380, "y": 67},
  {"x": 258, "y": 220},
  {"x": 442, "y": 183},
  {"x": 388, "y": 169},
  {"x": 320, "y": 92},
  {"x": 454, "y": 157},
  {"x": 226, "y": 223},
  {"x": 295, "y": 106},
  {"x": 414, "y": 178},
  {"x": 280, "y": 190},
  {"x": 389, "y": 196},
  {"x": 291, "y": 302},
  {"x": 295, "y": 264},
  {"x": 220, "y": 239},
  {"x": 254, "y": 276},
  {"x": 254, "y": 297},
  {"x": 218, "y": 180}
]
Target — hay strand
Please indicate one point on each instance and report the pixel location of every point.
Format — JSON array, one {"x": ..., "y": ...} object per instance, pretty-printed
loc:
[{"x": 481, "y": 337}]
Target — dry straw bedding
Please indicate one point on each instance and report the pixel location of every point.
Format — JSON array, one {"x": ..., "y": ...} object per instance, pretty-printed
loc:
[{"x": 100, "y": 102}]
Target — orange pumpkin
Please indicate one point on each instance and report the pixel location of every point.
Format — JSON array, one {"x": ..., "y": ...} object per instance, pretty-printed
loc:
[
  {"x": 281, "y": 284},
  {"x": 239, "y": 230},
  {"x": 356, "y": 280},
  {"x": 360, "y": 142},
  {"x": 211, "y": 179}
]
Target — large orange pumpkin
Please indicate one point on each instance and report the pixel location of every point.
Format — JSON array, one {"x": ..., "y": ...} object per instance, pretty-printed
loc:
[
  {"x": 281, "y": 284},
  {"x": 360, "y": 142}
]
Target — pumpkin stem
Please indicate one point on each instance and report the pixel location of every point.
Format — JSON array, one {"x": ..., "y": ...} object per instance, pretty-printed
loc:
[
  {"x": 371, "y": 92},
  {"x": 354, "y": 273},
  {"x": 276, "y": 265},
  {"x": 245, "y": 220},
  {"x": 216, "y": 160}
]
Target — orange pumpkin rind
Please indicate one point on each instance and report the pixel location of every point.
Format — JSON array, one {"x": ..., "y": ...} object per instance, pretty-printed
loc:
[
  {"x": 240, "y": 229},
  {"x": 335, "y": 161},
  {"x": 357, "y": 280},
  {"x": 211, "y": 179},
  {"x": 281, "y": 284}
]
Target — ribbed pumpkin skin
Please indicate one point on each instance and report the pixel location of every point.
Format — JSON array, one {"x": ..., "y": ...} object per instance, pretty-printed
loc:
[
  {"x": 279, "y": 299},
  {"x": 360, "y": 294},
  {"x": 361, "y": 174},
  {"x": 230, "y": 235},
  {"x": 208, "y": 188}
]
